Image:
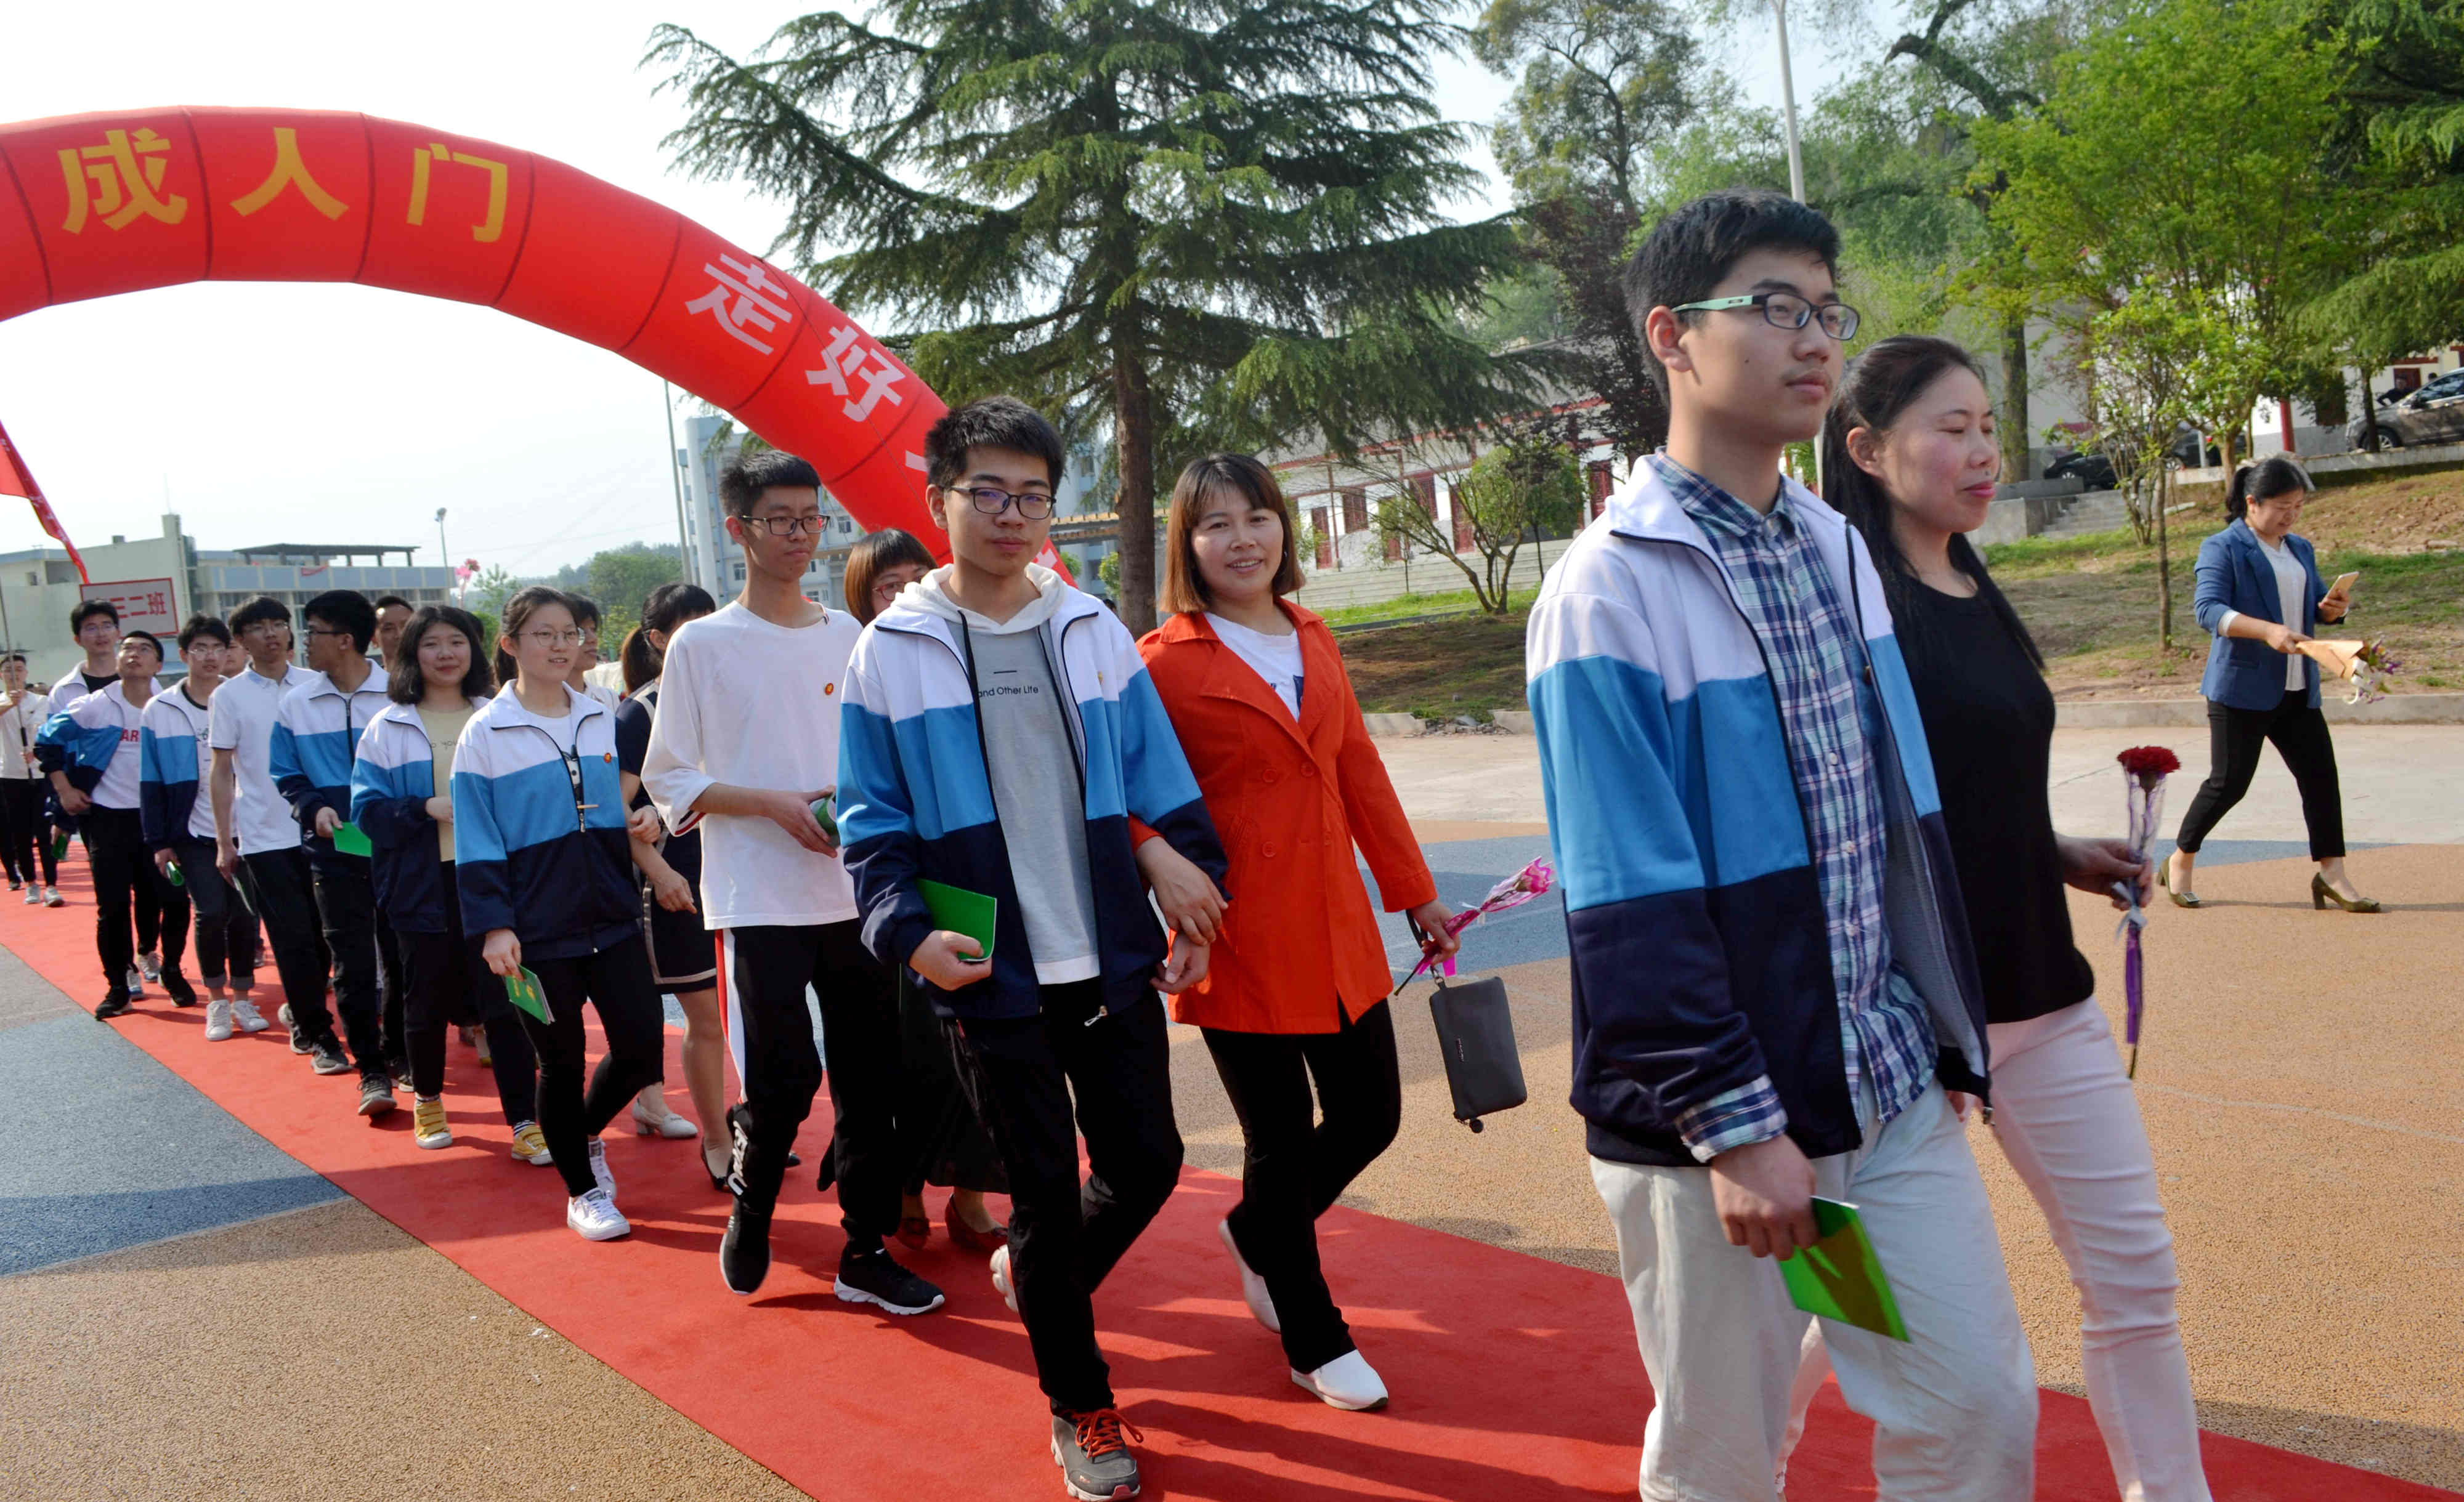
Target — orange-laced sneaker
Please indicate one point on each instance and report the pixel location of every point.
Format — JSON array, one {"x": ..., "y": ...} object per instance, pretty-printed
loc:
[{"x": 1095, "y": 1462}]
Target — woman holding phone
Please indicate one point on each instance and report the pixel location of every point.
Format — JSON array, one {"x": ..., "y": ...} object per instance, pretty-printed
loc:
[
  {"x": 2260, "y": 594},
  {"x": 1295, "y": 990},
  {"x": 545, "y": 876},
  {"x": 402, "y": 798}
]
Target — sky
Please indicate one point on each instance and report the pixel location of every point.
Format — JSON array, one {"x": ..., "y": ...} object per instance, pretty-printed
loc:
[{"x": 268, "y": 412}]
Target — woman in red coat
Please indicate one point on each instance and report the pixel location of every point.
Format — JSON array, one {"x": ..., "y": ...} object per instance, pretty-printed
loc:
[{"x": 1297, "y": 980}]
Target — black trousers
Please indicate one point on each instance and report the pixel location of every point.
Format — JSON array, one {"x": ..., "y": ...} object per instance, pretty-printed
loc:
[
  {"x": 617, "y": 981},
  {"x": 1066, "y": 1237},
  {"x": 346, "y": 908},
  {"x": 278, "y": 885},
  {"x": 2298, "y": 731},
  {"x": 226, "y": 930},
  {"x": 448, "y": 980},
  {"x": 1293, "y": 1164},
  {"x": 126, "y": 884},
  {"x": 762, "y": 974},
  {"x": 393, "y": 989},
  {"x": 23, "y": 839}
]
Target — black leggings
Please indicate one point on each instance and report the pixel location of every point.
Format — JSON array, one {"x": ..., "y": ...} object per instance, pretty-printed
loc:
[
  {"x": 617, "y": 981},
  {"x": 448, "y": 980},
  {"x": 22, "y": 832},
  {"x": 1294, "y": 1166},
  {"x": 2299, "y": 733}
]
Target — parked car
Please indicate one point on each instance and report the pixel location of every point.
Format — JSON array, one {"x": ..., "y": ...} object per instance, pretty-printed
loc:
[
  {"x": 2433, "y": 413},
  {"x": 2086, "y": 466}
]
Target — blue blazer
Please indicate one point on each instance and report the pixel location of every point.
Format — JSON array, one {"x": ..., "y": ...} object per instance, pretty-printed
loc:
[{"x": 2235, "y": 574}]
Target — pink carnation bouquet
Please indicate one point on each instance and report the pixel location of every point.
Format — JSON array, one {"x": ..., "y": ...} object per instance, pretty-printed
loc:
[{"x": 1532, "y": 881}]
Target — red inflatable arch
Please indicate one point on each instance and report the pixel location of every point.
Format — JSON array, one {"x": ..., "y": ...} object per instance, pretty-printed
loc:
[{"x": 93, "y": 205}]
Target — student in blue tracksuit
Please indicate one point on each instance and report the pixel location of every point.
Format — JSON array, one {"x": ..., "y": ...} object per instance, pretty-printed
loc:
[
  {"x": 93, "y": 751},
  {"x": 175, "y": 754},
  {"x": 402, "y": 797},
  {"x": 544, "y": 876},
  {"x": 316, "y": 738},
  {"x": 1772, "y": 980},
  {"x": 1000, "y": 735}
]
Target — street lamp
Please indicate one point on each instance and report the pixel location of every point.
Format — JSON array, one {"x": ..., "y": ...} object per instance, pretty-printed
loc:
[{"x": 1788, "y": 105}]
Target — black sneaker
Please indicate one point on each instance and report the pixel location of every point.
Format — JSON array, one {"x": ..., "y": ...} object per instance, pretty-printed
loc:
[
  {"x": 325, "y": 1056},
  {"x": 745, "y": 1252},
  {"x": 176, "y": 986},
  {"x": 1095, "y": 1462},
  {"x": 875, "y": 1278},
  {"x": 115, "y": 1004},
  {"x": 376, "y": 1095}
]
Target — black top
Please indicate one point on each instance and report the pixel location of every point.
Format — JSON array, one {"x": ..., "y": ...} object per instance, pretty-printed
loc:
[
  {"x": 1989, "y": 718},
  {"x": 683, "y": 852}
]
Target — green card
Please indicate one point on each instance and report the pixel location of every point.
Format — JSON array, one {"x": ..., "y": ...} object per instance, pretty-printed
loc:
[
  {"x": 961, "y": 911},
  {"x": 522, "y": 990},
  {"x": 1839, "y": 1278},
  {"x": 350, "y": 842}
]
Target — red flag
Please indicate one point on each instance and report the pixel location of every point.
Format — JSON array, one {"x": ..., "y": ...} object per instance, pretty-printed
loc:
[{"x": 15, "y": 479}]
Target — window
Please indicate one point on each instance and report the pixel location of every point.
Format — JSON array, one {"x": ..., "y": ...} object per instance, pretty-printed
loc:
[
  {"x": 1355, "y": 511},
  {"x": 1324, "y": 538},
  {"x": 1461, "y": 510}
]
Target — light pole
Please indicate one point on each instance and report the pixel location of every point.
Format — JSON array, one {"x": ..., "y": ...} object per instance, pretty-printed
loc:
[
  {"x": 443, "y": 556},
  {"x": 1788, "y": 105}
]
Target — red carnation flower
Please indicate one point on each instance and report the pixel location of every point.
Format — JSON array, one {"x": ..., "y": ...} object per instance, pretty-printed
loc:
[{"x": 2147, "y": 763}]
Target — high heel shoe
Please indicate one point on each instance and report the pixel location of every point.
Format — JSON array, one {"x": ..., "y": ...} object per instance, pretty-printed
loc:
[
  {"x": 652, "y": 1117},
  {"x": 2322, "y": 893},
  {"x": 2165, "y": 880}
]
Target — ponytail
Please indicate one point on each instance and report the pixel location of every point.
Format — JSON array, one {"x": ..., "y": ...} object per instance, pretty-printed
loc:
[{"x": 2264, "y": 481}]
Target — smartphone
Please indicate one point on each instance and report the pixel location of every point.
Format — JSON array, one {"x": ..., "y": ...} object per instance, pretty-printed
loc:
[{"x": 2345, "y": 581}]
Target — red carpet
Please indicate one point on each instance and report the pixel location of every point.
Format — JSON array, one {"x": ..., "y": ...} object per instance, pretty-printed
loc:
[{"x": 1515, "y": 1378}]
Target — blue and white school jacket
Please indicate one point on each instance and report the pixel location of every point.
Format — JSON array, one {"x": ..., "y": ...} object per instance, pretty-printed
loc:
[
  {"x": 316, "y": 738},
  {"x": 391, "y": 782},
  {"x": 82, "y": 739},
  {"x": 538, "y": 830},
  {"x": 1693, "y": 912},
  {"x": 174, "y": 751},
  {"x": 915, "y": 800}
]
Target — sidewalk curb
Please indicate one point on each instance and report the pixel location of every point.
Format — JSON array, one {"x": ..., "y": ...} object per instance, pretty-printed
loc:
[{"x": 2114, "y": 714}]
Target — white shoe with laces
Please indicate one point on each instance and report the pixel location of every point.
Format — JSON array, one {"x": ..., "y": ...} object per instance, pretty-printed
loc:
[
  {"x": 599, "y": 1169},
  {"x": 595, "y": 1217},
  {"x": 1253, "y": 1288},
  {"x": 1348, "y": 1383},
  {"x": 33, "y": 897},
  {"x": 244, "y": 1012},
  {"x": 218, "y": 1020}
]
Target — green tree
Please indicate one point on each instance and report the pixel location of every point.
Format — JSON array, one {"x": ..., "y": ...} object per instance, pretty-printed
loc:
[
  {"x": 1191, "y": 224},
  {"x": 1528, "y": 487},
  {"x": 621, "y": 578},
  {"x": 486, "y": 594},
  {"x": 2214, "y": 198}
]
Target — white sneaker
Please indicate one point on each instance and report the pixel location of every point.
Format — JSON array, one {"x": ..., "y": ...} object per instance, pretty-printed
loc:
[
  {"x": 599, "y": 1169},
  {"x": 1253, "y": 1288},
  {"x": 218, "y": 1020},
  {"x": 1001, "y": 1278},
  {"x": 652, "y": 1117},
  {"x": 52, "y": 897},
  {"x": 136, "y": 982},
  {"x": 244, "y": 1011},
  {"x": 33, "y": 895},
  {"x": 1348, "y": 1381},
  {"x": 595, "y": 1217},
  {"x": 150, "y": 964}
]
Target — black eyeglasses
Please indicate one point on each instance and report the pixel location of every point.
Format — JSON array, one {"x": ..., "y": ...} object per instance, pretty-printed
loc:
[
  {"x": 1785, "y": 311},
  {"x": 992, "y": 501},
  {"x": 789, "y": 526}
]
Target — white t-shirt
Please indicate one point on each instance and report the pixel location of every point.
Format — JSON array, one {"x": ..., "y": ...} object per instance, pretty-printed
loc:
[
  {"x": 1276, "y": 659},
  {"x": 19, "y": 724},
  {"x": 753, "y": 705},
  {"x": 243, "y": 724}
]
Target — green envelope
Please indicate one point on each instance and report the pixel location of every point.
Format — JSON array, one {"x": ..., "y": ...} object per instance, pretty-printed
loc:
[
  {"x": 350, "y": 842},
  {"x": 961, "y": 911},
  {"x": 1839, "y": 1278},
  {"x": 523, "y": 991}
]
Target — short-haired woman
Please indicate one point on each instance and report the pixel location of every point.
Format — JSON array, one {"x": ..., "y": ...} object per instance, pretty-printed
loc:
[
  {"x": 2260, "y": 594},
  {"x": 1296, "y": 986},
  {"x": 402, "y": 798}
]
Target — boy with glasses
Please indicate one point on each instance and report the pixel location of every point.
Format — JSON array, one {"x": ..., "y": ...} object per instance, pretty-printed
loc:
[
  {"x": 1000, "y": 737},
  {"x": 313, "y": 743},
  {"x": 96, "y": 625},
  {"x": 744, "y": 745},
  {"x": 1772, "y": 987},
  {"x": 177, "y": 748}
]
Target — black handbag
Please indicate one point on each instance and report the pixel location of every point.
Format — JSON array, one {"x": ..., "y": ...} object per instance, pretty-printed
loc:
[{"x": 1475, "y": 1034}]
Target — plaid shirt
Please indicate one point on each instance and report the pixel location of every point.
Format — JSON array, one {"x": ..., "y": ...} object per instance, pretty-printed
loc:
[{"x": 1827, "y": 712}]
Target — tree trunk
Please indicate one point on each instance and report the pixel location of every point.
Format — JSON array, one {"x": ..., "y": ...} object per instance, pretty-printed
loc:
[
  {"x": 2164, "y": 564},
  {"x": 1134, "y": 429},
  {"x": 2371, "y": 438},
  {"x": 2014, "y": 400}
]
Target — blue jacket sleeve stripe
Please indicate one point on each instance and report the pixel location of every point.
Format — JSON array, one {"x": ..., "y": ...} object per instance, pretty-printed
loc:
[
  {"x": 1900, "y": 704},
  {"x": 876, "y": 816}
]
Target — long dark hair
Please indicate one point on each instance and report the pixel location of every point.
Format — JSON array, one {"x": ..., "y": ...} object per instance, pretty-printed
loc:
[
  {"x": 666, "y": 607},
  {"x": 406, "y": 684},
  {"x": 2264, "y": 481},
  {"x": 518, "y": 611},
  {"x": 1879, "y": 385}
]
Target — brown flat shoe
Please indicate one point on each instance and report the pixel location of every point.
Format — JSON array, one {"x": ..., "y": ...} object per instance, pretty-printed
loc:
[{"x": 968, "y": 1238}]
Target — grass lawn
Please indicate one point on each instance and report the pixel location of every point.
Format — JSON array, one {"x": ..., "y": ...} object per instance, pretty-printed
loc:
[{"x": 2091, "y": 602}]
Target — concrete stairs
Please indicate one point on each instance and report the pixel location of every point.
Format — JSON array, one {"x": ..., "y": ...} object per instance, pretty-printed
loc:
[{"x": 2097, "y": 510}]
